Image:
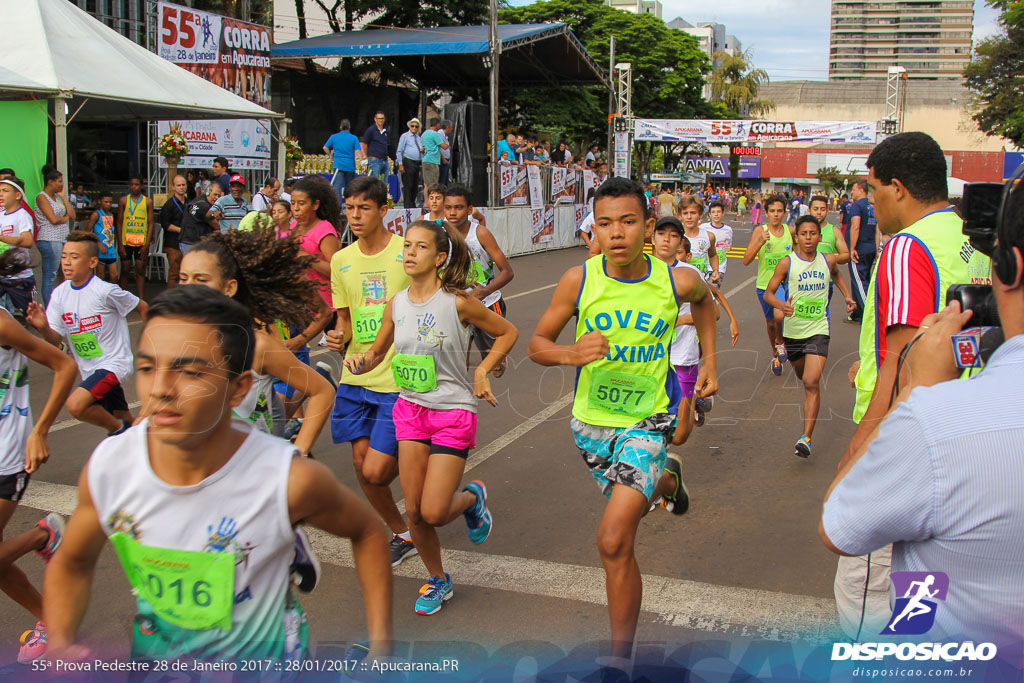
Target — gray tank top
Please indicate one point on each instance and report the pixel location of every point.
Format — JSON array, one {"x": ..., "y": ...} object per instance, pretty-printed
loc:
[{"x": 431, "y": 346}]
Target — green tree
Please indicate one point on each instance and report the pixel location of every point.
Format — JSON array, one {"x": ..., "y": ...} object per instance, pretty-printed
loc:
[
  {"x": 735, "y": 84},
  {"x": 834, "y": 180},
  {"x": 996, "y": 76}
]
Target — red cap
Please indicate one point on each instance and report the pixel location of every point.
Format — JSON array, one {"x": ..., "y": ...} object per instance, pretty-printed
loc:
[{"x": 237, "y": 178}]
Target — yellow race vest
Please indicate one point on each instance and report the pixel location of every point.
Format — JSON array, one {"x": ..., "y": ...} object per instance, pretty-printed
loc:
[{"x": 134, "y": 222}]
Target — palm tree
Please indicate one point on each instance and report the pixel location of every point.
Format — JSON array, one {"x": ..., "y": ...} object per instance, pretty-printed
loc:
[{"x": 735, "y": 84}]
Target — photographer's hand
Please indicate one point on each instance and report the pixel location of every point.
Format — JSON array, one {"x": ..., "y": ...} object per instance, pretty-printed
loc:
[{"x": 930, "y": 359}]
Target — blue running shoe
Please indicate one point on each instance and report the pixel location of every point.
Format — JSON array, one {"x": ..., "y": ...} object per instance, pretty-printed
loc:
[
  {"x": 438, "y": 592},
  {"x": 776, "y": 366},
  {"x": 780, "y": 353},
  {"x": 803, "y": 446},
  {"x": 478, "y": 517},
  {"x": 324, "y": 370},
  {"x": 305, "y": 565}
]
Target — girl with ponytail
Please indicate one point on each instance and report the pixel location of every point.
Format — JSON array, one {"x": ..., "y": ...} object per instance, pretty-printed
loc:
[{"x": 430, "y": 324}]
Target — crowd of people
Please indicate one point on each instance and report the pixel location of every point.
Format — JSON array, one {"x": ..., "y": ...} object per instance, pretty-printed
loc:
[{"x": 218, "y": 459}]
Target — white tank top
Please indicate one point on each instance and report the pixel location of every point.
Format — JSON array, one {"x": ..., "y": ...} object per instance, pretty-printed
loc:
[
  {"x": 255, "y": 407},
  {"x": 483, "y": 265},
  {"x": 15, "y": 412},
  {"x": 242, "y": 509},
  {"x": 700, "y": 251}
]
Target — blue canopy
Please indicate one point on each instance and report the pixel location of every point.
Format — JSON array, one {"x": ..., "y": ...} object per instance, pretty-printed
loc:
[{"x": 531, "y": 54}]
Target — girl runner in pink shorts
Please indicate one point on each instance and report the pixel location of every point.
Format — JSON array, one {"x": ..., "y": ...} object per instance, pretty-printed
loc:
[{"x": 430, "y": 325}]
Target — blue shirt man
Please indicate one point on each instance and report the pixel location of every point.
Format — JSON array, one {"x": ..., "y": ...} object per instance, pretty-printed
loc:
[
  {"x": 432, "y": 142},
  {"x": 866, "y": 237},
  {"x": 504, "y": 146},
  {"x": 344, "y": 145}
]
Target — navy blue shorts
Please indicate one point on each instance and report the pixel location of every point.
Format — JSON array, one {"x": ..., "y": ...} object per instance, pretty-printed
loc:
[
  {"x": 106, "y": 389},
  {"x": 286, "y": 390},
  {"x": 360, "y": 413},
  {"x": 769, "y": 312}
]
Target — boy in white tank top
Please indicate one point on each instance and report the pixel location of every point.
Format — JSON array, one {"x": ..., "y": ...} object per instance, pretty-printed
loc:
[{"x": 200, "y": 508}]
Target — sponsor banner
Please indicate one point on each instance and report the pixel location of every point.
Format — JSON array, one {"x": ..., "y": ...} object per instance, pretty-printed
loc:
[
  {"x": 397, "y": 220},
  {"x": 542, "y": 224},
  {"x": 244, "y": 142},
  {"x": 514, "y": 190},
  {"x": 536, "y": 191},
  {"x": 591, "y": 180},
  {"x": 706, "y": 130},
  {"x": 581, "y": 213},
  {"x": 620, "y": 165},
  {"x": 1011, "y": 160},
  {"x": 718, "y": 167},
  {"x": 563, "y": 184},
  {"x": 230, "y": 53}
]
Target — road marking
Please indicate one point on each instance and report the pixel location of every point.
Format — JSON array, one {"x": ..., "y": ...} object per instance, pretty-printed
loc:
[
  {"x": 530, "y": 291},
  {"x": 740, "y": 287},
  {"x": 674, "y": 602},
  {"x": 67, "y": 424}
]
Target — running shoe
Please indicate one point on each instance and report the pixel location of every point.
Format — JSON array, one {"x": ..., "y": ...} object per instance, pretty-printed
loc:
[
  {"x": 401, "y": 549},
  {"x": 698, "y": 417},
  {"x": 358, "y": 651},
  {"x": 780, "y": 353},
  {"x": 324, "y": 369},
  {"x": 705, "y": 405},
  {"x": 478, "y": 517},
  {"x": 305, "y": 565},
  {"x": 323, "y": 340},
  {"x": 776, "y": 366},
  {"x": 291, "y": 429},
  {"x": 33, "y": 644},
  {"x": 500, "y": 369},
  {"x": 803, "y": 446},
  {"x": 54, "y": 525},
  {"x": 439, "y": 592},
  {"x": 678, "y": 501}
]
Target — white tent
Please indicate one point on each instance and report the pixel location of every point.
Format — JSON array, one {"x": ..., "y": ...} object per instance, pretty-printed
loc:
[
  {"x": 54, "y": 50},
  {"x": 955, "y": 186}
]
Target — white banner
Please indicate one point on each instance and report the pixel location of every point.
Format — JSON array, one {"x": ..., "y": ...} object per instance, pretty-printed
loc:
[
  {"x": 244, "y": 142},
  {"x": 620, "y": 167},
  {"x": 563, "y": 184},
  {"x": 542, "y": 224},
  {"x": 581, "y": 211},
  {"x": 514, "y": 186},
  {"x": 536, "y": 191},
  {"x": 706, "y": 130}
]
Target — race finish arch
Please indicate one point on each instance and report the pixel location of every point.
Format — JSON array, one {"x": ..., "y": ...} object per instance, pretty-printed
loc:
[{"x": 740, "y": 131}]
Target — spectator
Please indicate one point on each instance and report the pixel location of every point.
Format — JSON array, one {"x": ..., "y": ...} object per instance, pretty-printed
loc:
[
  {"x": 529, "y": 152},
  {"x": 286, "y": 191},
  {"x": 376, "y": 146},
  {"x": 409, "y": 157},
  {"x": 446, "y": 151},
  {"x": 508, "y": 147},
  {"x": 844, "y": 215},
  {"x": 16, "y": 233},
  {"x": 432, "y": 144},
  {"x": 222, "y": 174},
  {"x": 233, "y": 207},
  {"x": 135, "y": 226},
  {"x": 544, "y": 152},
  {"x": 201, "y": 218},
  {"x": 519, "y": 148},
  {"x": 191, "y": 184},
  {"x": 54, "y": 212},
  {"x": 78, "y": 198},
  {"x": 172, "y": 215},
  {"x": 863, "y": 245},
  {"x": 101, "y": 224},
  {"x": 346, "y": 150},
  {"x": 590, "y": 160},
  {"x": 203, "y": 184},
  {"x": 264, "y": 199}
]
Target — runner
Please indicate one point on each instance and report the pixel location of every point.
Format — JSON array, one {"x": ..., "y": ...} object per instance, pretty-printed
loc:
[
  {"x": 723, "y": 237},
  {"x": 622, "y": 433},
  {"x": 434, "y": 209},
  {"x": 101, "y": 224},
  {"x": 703, "y": 257},
  {"x": 487, "y": 257},
  {"x": 364, "y": 277},
  {"x": 265, "y": 275},
  {"x": 741, "y": 207},
  {"x": 805, "y": 329},
  {"x": 832, "y": 240},
  {"x": 134, "y": 223},
  {"x": 23, "y": 450},
  {"x": 673, "y": 248},
  {"x": 769, "y": 245},
  {"x": 92, "y": 315},
  {"x": 191, "y": 494},
  {"x": 435, "y": 416},
  {"x": 16, "y": 229}
]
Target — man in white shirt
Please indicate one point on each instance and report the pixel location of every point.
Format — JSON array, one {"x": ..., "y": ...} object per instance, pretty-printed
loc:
[{"x": 265, "y": 198}]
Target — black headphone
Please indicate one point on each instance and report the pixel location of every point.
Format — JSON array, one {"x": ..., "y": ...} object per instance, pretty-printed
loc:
[{"x": 1004, "y": 262}]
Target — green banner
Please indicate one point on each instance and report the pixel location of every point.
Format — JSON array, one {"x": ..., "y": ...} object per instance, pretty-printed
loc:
[{"x": 23, "y": 146}]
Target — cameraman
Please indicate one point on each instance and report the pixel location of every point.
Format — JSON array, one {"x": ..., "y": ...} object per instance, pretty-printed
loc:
[
  {"x": 941, "y": 477},
  {"x": 927, "y": 253}
]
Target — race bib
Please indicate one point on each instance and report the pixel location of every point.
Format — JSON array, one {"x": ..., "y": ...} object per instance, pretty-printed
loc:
[
  {"x": 772, "y": 260},
  {"x": 85, "y": 345},
  {"x": 809, "y": 309},
  {"x": 134, "y": 233},
  {"x": 622, "y": 392},
  {"x": 191, "y": 590},
  {"x": 700, "y": 263},
  {"x": 366, "y": 323},
  {"x": 414, "y": 372}
]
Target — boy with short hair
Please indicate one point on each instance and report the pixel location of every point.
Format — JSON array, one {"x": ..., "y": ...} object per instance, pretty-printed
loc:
[
  {"x": 805, "y": 328},
  {"x": 769, "y": 244},
  {"x": 135, "y": 225},
  {"x": 16, "y": 232},
  {"x": 101, "y": 224},
  {"x": 434, "y": 210},
  {"x": 832, "y": 240},
  {"x": 487, "y": 256},
  {"x": 364, "y": 277},
  {"x": 200, "y": 507},
  {"x": 702, "y": 241},
  {"x": 723, "y": 237},
  {"x": 91, "y": 314},
  {"x": 626, "y": 305}
]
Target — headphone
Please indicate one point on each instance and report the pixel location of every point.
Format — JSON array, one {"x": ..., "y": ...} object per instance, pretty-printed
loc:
[{"x": 1004, "y": 262}]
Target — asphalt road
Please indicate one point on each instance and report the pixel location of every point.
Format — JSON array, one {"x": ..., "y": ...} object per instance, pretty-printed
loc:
[{"x": 745, "y": 562}]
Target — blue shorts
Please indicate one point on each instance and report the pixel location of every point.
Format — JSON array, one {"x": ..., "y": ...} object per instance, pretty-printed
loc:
[
  {"x": 286, "y": 390},
  {"x": 769, "y": 312},
  {"x": 632, "y": 456},
  {"x": 360, "y": 413}
]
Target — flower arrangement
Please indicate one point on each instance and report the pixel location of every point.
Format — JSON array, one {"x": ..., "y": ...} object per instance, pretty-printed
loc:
[
  {"x": 173, "y": 146},
  {"x": 391, "y": 201},
  {"x": 293, "y": 152}
]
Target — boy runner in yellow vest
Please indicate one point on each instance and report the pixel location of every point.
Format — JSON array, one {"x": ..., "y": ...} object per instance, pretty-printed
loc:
[
  {"x": 805, "y": 329},
  {"x": 832, "y": 240},
  {"x": 769, "y": 244},
  {"x": 134, "y": 220},
  {"x": 627, "y": 396}
]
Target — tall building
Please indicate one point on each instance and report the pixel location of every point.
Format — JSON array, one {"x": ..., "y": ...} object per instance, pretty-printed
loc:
[
  {"x": 931, "y": 39},
  {"x": 638, "y": 6}
]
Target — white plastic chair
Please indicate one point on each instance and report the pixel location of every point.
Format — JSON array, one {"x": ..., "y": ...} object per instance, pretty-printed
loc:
[{"x": 157, "y": 260}]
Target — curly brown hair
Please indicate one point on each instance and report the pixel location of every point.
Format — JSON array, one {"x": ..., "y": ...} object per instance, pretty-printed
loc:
[{"x": 271, "y": 273}]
